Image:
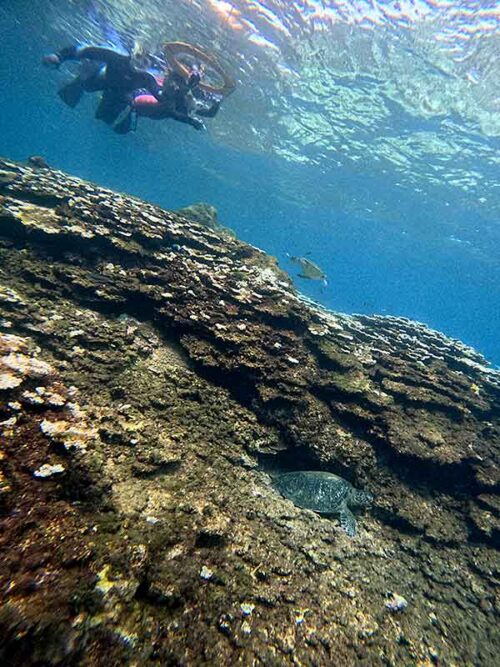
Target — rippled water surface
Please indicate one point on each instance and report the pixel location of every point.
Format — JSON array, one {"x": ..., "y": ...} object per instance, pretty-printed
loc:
[
  {"x": 366, "y": 133},
  {"x": 412, "y": 87}
]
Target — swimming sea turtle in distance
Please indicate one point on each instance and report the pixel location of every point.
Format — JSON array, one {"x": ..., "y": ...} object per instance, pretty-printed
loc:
[
  {"x": 325, "y": 493},
  {"x": 309, "y": 269}
]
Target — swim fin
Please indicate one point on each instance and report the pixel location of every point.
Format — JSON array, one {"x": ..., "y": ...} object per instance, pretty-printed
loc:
[
  {"x": 126, "y": 122},
  {"x": 72, "y": 93}
]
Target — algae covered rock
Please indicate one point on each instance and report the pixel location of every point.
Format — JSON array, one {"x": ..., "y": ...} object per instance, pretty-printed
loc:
[
  {"x": 203, "y": 213},
  {"x": 206, "y": 215}
]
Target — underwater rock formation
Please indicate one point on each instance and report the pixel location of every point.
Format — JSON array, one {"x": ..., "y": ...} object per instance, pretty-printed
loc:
[
  {"x": 152, "y": 373},
  {"x": 204, "y": 213}
]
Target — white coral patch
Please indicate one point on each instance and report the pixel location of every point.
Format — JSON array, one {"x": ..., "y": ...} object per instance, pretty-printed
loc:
[
  {"x": 55, "y": 399},
  {"x": 206, "y": 573},
  {"x": 26, "y": 365},
  {"x": 73, "y": 437},
  {"x": 11, "y": 342},
  {"x": 8, "y": 423},
  {"x": 8, "y": 381},
  {"x": 32, "y": 398},
  {"x": 47, "y": 470},
  {"x": 247, "y": 608}
]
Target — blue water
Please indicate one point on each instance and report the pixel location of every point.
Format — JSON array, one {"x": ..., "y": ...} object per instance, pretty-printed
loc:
[{"x": 369, "y": 140}]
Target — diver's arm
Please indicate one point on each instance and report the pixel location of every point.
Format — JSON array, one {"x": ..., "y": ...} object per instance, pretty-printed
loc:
[
  {"x": 150, "y": 107},
  {"x": 181, "y": 117},
  {"x": 190, "y": 120},
  {"x": 209, "y": 111}
]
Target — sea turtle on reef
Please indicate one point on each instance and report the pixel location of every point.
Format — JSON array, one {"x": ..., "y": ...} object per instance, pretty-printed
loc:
[{"x": 325, "y": 493}]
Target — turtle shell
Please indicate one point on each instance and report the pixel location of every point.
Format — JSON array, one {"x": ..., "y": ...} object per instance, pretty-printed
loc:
[{"x": 322, "y": 492}]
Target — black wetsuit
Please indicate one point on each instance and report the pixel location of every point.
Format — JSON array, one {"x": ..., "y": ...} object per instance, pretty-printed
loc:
[
  {"x": 105, "y": 70},
  {"x": 180, "y": 102},
  {"x": 208, "y": 103}
]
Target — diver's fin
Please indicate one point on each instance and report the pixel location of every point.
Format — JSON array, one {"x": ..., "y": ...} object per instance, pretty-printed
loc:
[
  {"x": 72, "y": 93},
  {"x": 124, "y": 122},
  {"x": 347, "y": 521}
]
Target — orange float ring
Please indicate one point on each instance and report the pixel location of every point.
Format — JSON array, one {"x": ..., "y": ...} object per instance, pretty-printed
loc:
[{"x": 173, "y": 50}]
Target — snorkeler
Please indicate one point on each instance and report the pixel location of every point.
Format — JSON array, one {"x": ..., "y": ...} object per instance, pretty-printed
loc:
[
  {"x": 181, "y": 99},
  {"x": 194, "y": 87},
  {"x": 117, "y": 75}
]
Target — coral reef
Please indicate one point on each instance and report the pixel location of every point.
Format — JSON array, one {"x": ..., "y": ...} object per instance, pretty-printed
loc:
[
  {"x": 204, "y": 213},
  {"x": 153, "y": 372}
]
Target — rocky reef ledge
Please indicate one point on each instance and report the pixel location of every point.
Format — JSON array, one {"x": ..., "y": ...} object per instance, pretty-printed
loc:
[{"x": 153, "y": 372}]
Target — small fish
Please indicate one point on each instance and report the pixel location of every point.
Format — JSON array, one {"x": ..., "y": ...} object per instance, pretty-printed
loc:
[{"x": 309, "y": 269}]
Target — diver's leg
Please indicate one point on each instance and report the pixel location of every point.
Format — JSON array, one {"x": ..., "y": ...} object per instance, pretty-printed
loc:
[
  {"x": 72, "y": 92},
  {"x": 110, "y": 107},
  {"x": 126, "y": 121},
  {"x": 93, "y": 76},
  {"x": 347, "y": 521},
  {"x": 90, "y": 79}
]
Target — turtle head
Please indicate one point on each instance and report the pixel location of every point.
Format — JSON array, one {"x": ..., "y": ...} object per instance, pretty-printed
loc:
[{"x": 360, "y": 498}]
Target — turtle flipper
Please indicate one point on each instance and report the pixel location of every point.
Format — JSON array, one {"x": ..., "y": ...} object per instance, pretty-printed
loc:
[{"x": 347, "y": 521}]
